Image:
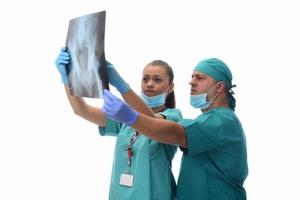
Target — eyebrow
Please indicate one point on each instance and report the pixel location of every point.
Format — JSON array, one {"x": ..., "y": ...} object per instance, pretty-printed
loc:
[
  {"x": 198, "y": 74},
  {"x": 153, "y": 75}
]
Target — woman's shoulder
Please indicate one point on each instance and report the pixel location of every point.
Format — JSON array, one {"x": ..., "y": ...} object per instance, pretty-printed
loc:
[{"x": 173, "y": 114}]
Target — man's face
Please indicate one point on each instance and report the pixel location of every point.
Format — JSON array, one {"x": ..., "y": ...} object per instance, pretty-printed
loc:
[{"x": 200, "y": 83}]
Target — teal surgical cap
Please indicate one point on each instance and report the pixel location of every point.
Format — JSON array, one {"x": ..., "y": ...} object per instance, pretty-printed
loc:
[
  {"x": 219, "y": 71},
  {"x": 216, "y": 69}
]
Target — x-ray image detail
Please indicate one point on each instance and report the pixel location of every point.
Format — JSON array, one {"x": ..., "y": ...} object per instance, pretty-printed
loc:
[{"x": 85, "y": 44}]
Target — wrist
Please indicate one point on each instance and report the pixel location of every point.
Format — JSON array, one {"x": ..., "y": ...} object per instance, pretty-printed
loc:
[
  {"x": 64, "y": 79},
  {"x": 133, "y": 118},
  {"x": 124, "y": 88}
]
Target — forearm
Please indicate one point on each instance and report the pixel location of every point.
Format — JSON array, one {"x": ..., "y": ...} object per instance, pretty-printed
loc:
[
  {"x": 161, "y": 130},
  {"x": 137, "y": 103},
  {"x": 80, "y": 108}
]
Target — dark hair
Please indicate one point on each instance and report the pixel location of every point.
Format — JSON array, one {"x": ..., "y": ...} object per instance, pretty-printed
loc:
[
  {"x": 170, "y": 99},
  {"x": 230, "y": 98}
]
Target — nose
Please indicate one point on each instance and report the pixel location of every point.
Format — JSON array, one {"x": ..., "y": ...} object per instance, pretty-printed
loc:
[
  {"x": 192, "y": 82},
  {"x": 150, "y": 84}
]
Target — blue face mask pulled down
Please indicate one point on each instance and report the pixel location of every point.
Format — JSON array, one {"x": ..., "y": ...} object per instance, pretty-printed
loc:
[
  {"x": 199, "y": 100},
  {"x": 154, "y": 101}
]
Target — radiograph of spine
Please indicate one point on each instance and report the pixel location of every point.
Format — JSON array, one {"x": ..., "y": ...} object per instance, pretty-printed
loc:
[{"x": 85, "y": 43}]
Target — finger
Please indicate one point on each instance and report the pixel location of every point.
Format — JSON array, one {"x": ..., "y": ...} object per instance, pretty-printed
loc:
[
  {"x": 106, "y": 97},
  {"x": 65, "y": 54},
  {"x": 107, "y": 109},
  {"x": 64, "y": 62},
  {"x": 109, "y": 95},
  {"x": 105, "y": 91},
  {"x": 108, "y": 65},
  {"x": 63, "y": 49},
  {"x": 63, "y": 59}
]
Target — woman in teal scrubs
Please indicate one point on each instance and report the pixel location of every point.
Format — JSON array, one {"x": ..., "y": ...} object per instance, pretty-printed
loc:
[
  {"x": 142, "y": 166},
  {"x": 214, "y": 162}
]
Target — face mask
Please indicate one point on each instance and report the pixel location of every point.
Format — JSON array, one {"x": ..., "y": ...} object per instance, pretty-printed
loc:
[
  {"x": 199, "y": 100},
  {"x": 154, "y": 101}
]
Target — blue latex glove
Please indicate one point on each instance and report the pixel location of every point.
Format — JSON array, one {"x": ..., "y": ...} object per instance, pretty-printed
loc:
[
  {"x": 116, "y": 109},
  {"x": 61, "y": 61},
  {"x": 116, "y": 80}
]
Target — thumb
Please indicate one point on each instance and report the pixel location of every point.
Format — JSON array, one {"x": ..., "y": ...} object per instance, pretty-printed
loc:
[
  {"x": 108, "y": 96},
  {"x": 109, "y": 65},
  {"x": 63, "y": 49}
]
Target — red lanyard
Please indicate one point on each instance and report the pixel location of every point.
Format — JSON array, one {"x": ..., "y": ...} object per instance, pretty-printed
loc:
[{"x": 134, "y": 137}]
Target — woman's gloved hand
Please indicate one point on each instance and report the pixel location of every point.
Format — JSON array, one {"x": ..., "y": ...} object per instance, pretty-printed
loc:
[
  {"x": 61, "y": 61},
  {"x": 116, "y": 109},
  {"x": 116, "y": 80}
]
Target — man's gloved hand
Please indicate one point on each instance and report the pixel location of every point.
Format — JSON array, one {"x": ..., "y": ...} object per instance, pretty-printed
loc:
[
  {"x": 116, "y": 109},
  {"x": 116, "y": 80},
  {"x": 61, "y": 61}
]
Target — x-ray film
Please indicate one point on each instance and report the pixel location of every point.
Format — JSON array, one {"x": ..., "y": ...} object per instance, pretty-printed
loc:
[{"x": 85, "y": 44}]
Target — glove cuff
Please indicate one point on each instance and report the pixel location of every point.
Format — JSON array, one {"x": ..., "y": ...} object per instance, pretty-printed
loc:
[
  {"x": 124, "y": 88},
  {"x": 133, "y": 117},
  {"x": 64, "y": 79}
]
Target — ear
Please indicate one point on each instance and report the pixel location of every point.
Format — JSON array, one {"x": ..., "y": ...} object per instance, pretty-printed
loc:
[
  {"x": 171, "y": 88},
  {"x": 221, "y": 86}
]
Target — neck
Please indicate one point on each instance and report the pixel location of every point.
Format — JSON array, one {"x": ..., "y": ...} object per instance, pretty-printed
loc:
[
  {"x": 220, "y": 101},
  {"x": 159, "y": 109}
]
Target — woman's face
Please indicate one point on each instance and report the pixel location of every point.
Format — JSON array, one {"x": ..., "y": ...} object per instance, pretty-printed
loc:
[{"x": 155, "y": 81}]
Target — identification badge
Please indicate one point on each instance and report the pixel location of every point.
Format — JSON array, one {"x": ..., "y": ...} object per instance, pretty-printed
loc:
[{"x": 126, "y": 180}]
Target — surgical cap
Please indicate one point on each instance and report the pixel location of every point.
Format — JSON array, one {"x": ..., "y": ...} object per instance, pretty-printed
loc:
[
  {"x": 216, "y": 69},
  {"x": 219, "y": 71}
]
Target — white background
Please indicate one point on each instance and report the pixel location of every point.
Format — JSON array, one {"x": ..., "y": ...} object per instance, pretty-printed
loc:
[{"x": 46, "y": 152}]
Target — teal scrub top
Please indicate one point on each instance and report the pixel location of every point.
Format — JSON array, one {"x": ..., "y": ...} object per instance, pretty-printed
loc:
[
  {"x": 214, "y": 164},
  {"x": 151, "y": 163}
]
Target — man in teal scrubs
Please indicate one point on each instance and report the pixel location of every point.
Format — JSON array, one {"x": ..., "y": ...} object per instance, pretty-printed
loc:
[{"x": 214, "y": 162}]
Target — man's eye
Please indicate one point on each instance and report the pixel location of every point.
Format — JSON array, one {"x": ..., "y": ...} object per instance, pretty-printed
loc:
[
  {"x": 145, "y": 80},
  {"x": 199, "y": 78},
  {"x": 157, "y": 80}
]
